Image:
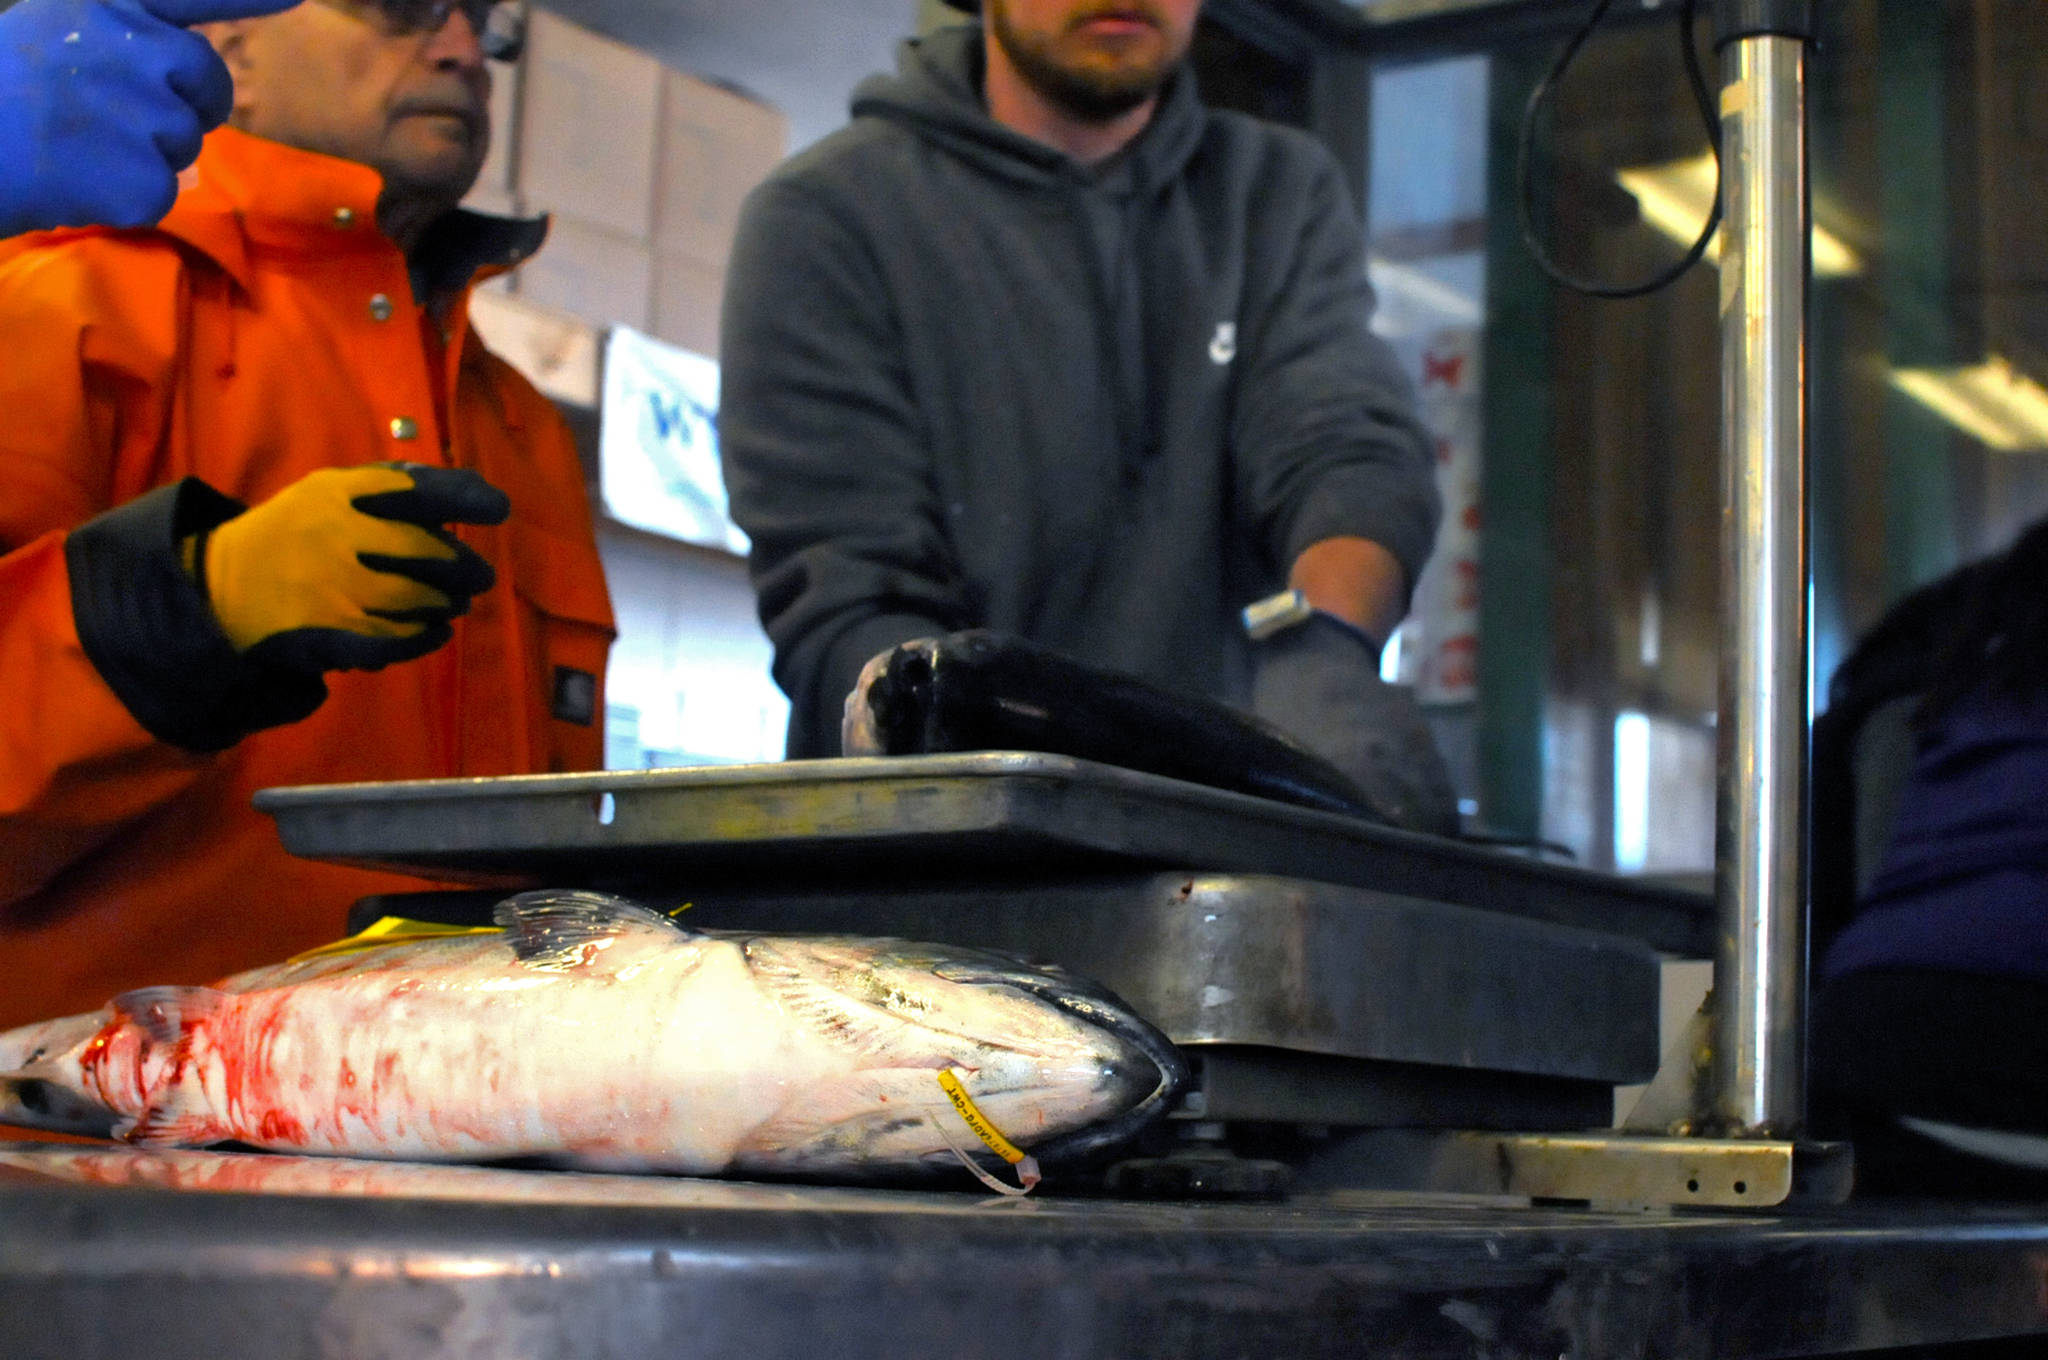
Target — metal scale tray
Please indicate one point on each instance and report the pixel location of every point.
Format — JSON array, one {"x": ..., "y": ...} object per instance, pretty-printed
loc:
[
  {"x": 1319, "y": 970},
  {"x": 921, "y": 821}
]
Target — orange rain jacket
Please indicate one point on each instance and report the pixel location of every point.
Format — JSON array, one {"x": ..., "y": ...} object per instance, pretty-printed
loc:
[{"x": 265, "y": 330}]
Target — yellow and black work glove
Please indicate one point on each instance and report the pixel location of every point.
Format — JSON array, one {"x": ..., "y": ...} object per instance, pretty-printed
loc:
[
  {"x": 210, "y": 620},
  {"x": 348, "y": 568}
]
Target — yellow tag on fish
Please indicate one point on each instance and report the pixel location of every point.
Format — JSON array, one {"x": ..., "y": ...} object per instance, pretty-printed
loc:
[
  {"x": 390, "y": 930},
  {"x": 985, "y": 1131}
]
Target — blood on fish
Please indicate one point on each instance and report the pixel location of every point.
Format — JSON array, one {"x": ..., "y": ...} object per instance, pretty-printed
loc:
[
  {"x": 95, "y": 1056},
  {"x": 94, "y": 1063}
]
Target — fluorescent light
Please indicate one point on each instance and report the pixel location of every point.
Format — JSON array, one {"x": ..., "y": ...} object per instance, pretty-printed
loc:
[
  {"x": 1390, "y": 657},
  {"x": 1631, "y": 792},
  {"x": 1391, "y": 11},
  {"x": 1992, "y": 402},
  {"x": 1676, "y": 196}
]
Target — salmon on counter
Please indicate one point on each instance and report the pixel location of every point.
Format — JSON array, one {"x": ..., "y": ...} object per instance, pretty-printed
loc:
[{"x": 590, "y": 1031}]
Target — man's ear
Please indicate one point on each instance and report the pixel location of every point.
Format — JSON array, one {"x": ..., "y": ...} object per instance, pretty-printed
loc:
[
  {"x": 230, "y": 38},
  {"x": 226, "y": 35}
]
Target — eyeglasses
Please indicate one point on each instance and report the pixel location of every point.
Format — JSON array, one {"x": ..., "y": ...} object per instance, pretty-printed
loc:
[{"x": 500, "y": 26}]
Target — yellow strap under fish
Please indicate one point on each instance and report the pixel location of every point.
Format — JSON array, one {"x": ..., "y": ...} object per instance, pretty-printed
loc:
[
  {"x": 985, "y": 1131},
  {"x": 970, "y": 1114},
  {"x": 390, "y": 930}
]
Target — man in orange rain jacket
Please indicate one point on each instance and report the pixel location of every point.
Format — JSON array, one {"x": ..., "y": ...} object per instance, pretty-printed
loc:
[{"x": 232, "y": 452}]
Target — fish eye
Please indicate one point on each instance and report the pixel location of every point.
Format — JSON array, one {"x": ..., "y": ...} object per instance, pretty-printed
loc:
[{"x": 37, "y": 1056}]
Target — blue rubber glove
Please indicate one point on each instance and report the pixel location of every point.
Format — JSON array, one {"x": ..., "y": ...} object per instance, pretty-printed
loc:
[{"x": 102, "y": 103}]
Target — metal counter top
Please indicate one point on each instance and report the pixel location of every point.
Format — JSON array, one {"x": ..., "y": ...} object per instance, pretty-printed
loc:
[{"x": 118, "y": 1253}]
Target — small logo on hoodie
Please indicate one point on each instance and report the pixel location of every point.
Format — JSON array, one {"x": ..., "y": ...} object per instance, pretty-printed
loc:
[{"x": 1224, "y": 347}]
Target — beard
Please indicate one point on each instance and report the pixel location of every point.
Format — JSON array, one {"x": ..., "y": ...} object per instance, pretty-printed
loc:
[{"x": 1090, "y": 92}]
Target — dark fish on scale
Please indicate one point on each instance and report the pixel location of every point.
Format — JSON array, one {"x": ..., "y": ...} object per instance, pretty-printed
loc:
[{"x": 985, "y": 691}]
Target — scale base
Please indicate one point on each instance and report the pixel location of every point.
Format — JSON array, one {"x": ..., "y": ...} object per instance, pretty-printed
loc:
[{"x": 1607, "y": 1169}]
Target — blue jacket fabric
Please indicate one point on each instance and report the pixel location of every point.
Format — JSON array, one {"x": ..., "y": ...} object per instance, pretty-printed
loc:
[
  {"x": 970, "y": 382},
  {"x": 1964, "y": 883}
]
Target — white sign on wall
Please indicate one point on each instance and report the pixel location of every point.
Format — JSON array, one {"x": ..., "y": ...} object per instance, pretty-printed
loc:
[
  {"x": 1441, "y": 655},
  {"x": 658, "y": 466}
]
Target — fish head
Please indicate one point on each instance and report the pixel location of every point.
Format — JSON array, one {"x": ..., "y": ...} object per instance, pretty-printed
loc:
[
  {"x": 1056, "y": 1064},
  {"x": 48, "y": 1041},
  {"x": 884, "y": 713},
  {"x": 43, "y": 1080}
]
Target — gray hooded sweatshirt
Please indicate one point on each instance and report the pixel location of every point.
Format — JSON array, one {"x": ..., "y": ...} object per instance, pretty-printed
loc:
[{"x": 970, "y": 382}]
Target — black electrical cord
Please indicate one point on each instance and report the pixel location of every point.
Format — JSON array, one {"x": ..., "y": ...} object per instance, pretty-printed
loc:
[{"x": 1526, "y": 151}]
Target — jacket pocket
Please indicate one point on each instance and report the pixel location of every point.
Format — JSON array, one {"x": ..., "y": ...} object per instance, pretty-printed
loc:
[{"x": 568, "y": 626}]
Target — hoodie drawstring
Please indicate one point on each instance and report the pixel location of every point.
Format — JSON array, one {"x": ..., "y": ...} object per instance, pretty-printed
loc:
[{"x": 1123, "y": 329}]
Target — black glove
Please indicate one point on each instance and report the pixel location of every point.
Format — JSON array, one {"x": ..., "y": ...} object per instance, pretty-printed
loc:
[{"x": 1319, "y": 681}]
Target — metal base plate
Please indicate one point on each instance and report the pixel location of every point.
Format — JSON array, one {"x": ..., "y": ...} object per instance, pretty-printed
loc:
[
  {"x": 1238, "y": 1085},
  {"x": 1597, "y": 1168},
  {"x": 1287, "y": 964}
]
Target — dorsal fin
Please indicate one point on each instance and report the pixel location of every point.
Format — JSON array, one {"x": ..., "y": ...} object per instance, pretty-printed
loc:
[{"x": 556, "y": 928}]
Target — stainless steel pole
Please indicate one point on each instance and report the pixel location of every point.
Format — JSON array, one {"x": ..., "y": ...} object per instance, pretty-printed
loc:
[{"x": 1760, "y": 968}]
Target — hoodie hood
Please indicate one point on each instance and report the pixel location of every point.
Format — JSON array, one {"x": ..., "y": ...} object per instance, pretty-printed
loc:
[
  {"x": 936, "y": 92},
  {"x": 936, "y": 95}
]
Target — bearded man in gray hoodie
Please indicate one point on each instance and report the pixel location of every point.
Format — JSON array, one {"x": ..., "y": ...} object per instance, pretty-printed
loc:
[{"x": 1040, "y": 344}]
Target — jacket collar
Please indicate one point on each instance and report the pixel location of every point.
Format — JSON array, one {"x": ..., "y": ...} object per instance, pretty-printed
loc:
[{"x": 247, "y": 192}]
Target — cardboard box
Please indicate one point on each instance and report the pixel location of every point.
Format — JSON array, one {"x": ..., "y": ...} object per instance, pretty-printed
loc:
[
  {"x": 593, "y": 272},
  {"x": 497, "y": 188},
  {"x": 589, "y": 113},
  {"x": 687, "y": 297},
  {"x": 556, "y": 352},
  {"x": 715, "y": 146}
]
